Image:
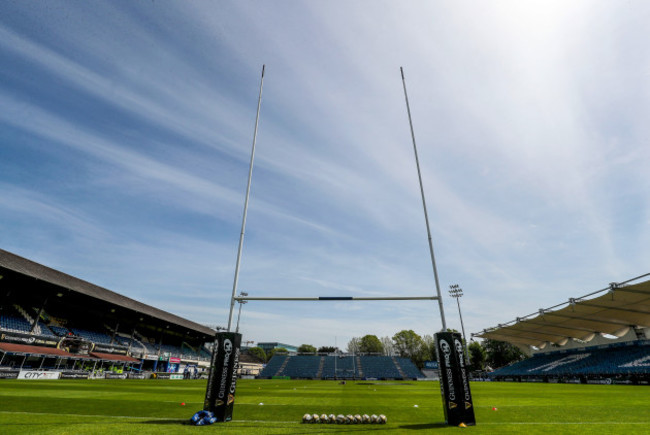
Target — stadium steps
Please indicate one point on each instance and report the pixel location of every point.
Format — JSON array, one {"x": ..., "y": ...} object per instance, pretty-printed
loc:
[
  {"x": 122, "y": 339},
  {"x": 282, "y": 367},
  {"x": 399, "y": 368},
  {"x": 30, "y": 319},
  {"x": 45, "y": 330},
  {"x": 321, "y": 364},
  {"x": 138, "y": 347},
  {"x": 359, "y": 367}
]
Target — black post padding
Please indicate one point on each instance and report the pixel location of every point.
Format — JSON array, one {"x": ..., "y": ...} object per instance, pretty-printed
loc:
[
  {"x": 454, "y": 379},
  {"x": 222, "y": 381}
]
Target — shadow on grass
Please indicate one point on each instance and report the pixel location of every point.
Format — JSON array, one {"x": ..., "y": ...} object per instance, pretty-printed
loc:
[
  {"x": 424, "y": 426},
  {"x": 338, "y": 429},
  {"x": 170, "y": 422}
]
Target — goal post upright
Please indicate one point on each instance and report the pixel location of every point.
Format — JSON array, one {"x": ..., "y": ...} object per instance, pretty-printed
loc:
[
  {"x": 248, "y": 192},
  {"x": 220, "y": 392},
  {"x": 219, "y": 399},
  {"x": 457, "y": 402},
  {"x": 424, "y": 205}
]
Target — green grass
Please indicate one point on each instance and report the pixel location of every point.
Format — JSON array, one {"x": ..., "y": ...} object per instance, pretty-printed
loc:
[{"x": 154, "y": 407}]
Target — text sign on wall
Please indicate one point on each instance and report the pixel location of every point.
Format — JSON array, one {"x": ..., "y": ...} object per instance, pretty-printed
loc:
[{"x": 37, "y": 374}]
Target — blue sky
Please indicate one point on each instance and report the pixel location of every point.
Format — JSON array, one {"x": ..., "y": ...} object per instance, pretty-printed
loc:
[{"x": 126, "y": 129}]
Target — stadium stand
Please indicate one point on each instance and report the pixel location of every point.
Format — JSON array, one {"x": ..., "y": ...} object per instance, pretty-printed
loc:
[
  {"x": 341, "y": 367},
  {"x": 275, "y": 366},
  {"x": 620, "y": 360},
  {"x": 14, "y": 323},
  {"x": 94, "y": 336},
  {"x": 302, "y": 367},
  {"x": 409, "y": 369},
  {"x": 170, "y": 350},
  {"x": 123, "y": 341},
  {"x": 60, "y": 331},
  {"x": 380, "y": 367},
  {"x": 44, "y": 330},
  {"x": 52, "y": 320}
]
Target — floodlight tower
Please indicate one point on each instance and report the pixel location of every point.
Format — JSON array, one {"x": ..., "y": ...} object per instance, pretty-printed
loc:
[
  {"x": 241, "y": 302},
  {"x": 456, "y": 292}
]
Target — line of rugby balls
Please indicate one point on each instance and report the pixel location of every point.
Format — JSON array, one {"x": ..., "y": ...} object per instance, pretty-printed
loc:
[{"x": 344, "y": 419}]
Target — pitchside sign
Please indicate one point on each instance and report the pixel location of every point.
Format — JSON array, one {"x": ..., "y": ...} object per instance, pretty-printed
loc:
[
  {"x": 220, "y": 393},
  {"x": 454, "y": 379}
]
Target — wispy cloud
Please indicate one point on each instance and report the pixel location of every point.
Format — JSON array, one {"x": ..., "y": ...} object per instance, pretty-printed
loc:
[{"x": 530, "y": 120}]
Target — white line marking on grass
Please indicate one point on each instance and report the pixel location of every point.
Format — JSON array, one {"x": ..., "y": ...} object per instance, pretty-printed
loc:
[
  {"x": 84, "y": 415},
  {"x": 563, "y": 422},
  {"x": 503, "y": 423},
  {"x": 132, "y": 417},
  {"x": 176, "y": 401}
]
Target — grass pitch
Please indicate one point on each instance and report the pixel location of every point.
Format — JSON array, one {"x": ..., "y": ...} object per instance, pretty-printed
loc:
[{"x": 276, "y": 407}]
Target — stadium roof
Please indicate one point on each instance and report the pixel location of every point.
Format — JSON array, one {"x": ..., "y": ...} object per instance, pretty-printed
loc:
[
  {"x": 621, "y": 306},
  {"x": 14, "y": 263},
  {"x": 24, "y": 349}
]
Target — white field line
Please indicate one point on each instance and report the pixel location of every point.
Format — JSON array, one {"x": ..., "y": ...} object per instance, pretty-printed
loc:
[
  {"x": 130, "y": 417},
  {"x": 559, "y": 423}
]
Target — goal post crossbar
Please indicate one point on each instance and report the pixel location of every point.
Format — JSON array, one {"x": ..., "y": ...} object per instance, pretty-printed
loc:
[{"x": 337, "y": 298}]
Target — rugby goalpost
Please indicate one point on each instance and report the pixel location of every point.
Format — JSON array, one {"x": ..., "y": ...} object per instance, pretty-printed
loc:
[{"x": 220, "y": 391}]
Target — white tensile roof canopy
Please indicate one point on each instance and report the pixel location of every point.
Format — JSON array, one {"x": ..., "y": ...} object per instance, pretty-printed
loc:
[{"x": 620, "y": 307}]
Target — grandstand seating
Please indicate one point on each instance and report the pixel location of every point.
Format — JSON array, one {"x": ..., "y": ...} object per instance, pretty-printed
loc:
[
  {"x": 204, "y": 353},
  {"x": 171, "y": 350},
  {"x": 14, "y": 323},
  {"x": 122, "y": 341},
  {"x": 61, "y": 331},
  {"x": 409, "y": 369},
  {"x": 273, "y": 366},
  {"x": 380, "y": 367},
  {"x": 188, "y": 353},
  {"x": 149, "y": 348},
  {"x": 607, "y": 360},
  {"x": 44, "y": 330},
  {"x": 340, "y": 367},
  {"x": 94, "y": 336},
  {"x": 302, "y": 367},
  {"x": 329, "y": 368}
]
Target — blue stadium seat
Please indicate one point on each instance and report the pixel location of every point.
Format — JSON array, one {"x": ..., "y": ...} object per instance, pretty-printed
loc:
[
  {"x": 340, "y": 367},
  {"x": 605, "y": 360}
]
